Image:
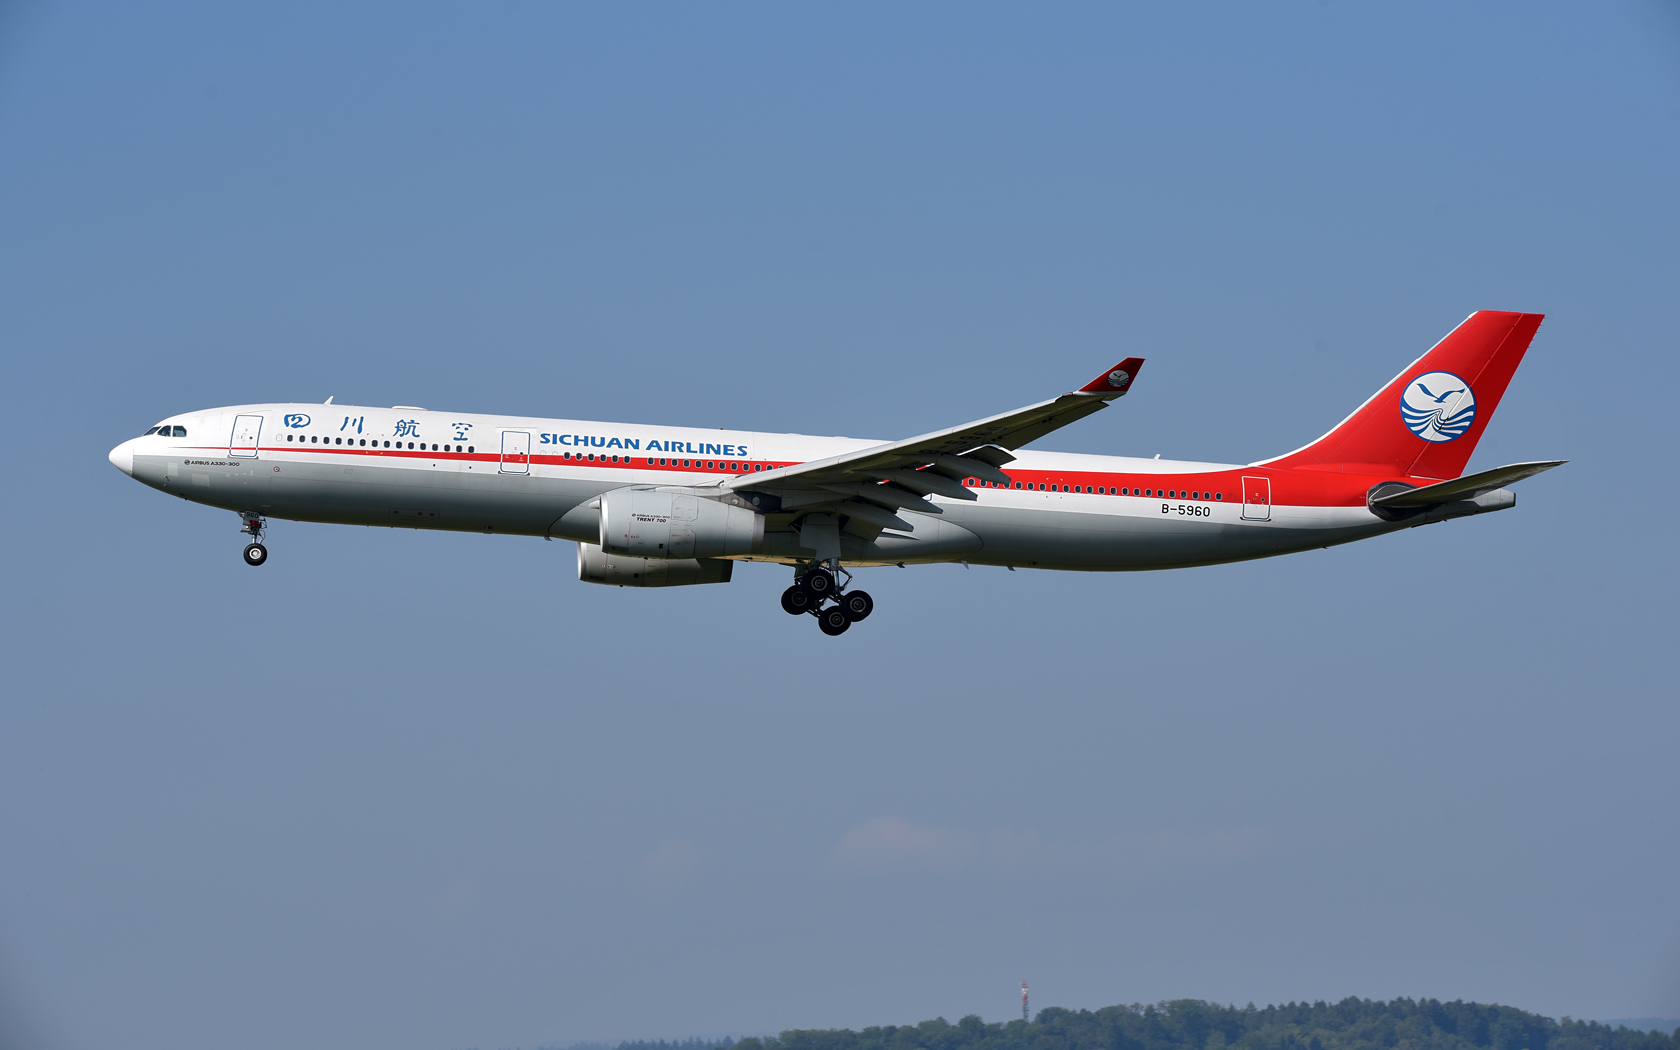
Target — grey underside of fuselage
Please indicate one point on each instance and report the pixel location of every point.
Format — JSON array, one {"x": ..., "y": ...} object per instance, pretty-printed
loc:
[{"x": 1115, "y": 534}]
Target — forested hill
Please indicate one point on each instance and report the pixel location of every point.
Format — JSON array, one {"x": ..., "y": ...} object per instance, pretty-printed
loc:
[{"x": 1190, "y": 1024}]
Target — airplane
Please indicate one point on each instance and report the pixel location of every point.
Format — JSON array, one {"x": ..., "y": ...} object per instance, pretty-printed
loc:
[{"x": 661, "y": 506}]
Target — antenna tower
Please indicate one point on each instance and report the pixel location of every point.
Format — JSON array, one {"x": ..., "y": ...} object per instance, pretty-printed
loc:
[{"x": 1024, "y": 1001}]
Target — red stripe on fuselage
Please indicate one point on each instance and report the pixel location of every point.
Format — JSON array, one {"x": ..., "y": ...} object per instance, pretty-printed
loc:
[{"x": 1297, "y": 488}]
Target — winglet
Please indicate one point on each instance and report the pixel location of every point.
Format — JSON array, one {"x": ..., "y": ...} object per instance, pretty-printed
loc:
[{"x": 1116, "y": 381}]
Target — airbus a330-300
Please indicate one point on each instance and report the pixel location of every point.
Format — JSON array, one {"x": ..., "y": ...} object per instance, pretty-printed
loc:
[{"x": 654, "y": 506}]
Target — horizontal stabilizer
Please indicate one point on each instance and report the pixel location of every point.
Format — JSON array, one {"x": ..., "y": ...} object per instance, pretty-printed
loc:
[{"x": 1468, "y": 487}]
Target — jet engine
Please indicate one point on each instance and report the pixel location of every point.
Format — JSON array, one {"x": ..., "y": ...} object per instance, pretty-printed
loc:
[
  {"x": 617, "y": 570},
  {"x": 655, "y": 523}
]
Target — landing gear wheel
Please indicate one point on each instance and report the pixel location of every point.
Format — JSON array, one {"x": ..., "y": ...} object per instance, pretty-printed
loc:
[
  {"x": 255, "y": 554},
  {"x": 857, "y": 605},
  {"x": 833, "y": 621},
  {"x": 818, "y": 583},
  {"x": 796, "y": 601}
]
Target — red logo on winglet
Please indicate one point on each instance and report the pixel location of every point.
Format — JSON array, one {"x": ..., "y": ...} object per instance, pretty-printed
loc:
[{"x": 1119, "y": 378}]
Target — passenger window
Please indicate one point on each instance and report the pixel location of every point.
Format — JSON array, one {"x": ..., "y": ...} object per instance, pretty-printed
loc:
[
  {"x": 1219, "y": 495},
  {"x": 469, "y": 450}
]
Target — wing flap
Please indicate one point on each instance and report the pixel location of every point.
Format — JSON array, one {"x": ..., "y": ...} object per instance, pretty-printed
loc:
[
  {"x": 926, "y": 481},
  {"x": 893, "y": 497},
  {"x": 881, "y": 519}
]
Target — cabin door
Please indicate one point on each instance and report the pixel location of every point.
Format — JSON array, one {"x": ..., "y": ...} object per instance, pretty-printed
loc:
[
  {"x": 1257, "y": 499},
  {"x": 516, "y": 452},
  {"x": 246, "y": 431}
]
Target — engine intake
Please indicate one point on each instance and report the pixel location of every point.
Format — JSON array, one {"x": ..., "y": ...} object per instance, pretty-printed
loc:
[
  {"x": 617, "y": 570},
  {"x": 650, "y": 523}
]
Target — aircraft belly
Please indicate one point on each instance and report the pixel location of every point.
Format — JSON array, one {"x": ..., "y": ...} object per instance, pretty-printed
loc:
[
  {"x": 363, "y": 494},
  {"x": 1062, "y": 539},
  {"x": 407, "y": 497},
  {"x": 1140, "y": 537},
  {"x": 934, "y": 539},
  {"x": 213, "y": 479}
]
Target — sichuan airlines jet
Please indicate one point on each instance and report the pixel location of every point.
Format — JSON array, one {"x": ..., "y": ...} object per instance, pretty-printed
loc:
[{"x": 654, "y": 506}]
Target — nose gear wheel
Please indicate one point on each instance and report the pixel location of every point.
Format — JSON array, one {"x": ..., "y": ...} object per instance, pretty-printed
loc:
[{"x": 254, "y": 526}]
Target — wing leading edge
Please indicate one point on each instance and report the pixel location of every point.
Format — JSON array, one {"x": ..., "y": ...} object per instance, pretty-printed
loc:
[{"x": 900, "y": 474}]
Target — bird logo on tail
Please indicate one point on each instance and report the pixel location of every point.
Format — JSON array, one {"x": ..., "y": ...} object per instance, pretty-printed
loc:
[{"x": 1438, "y": 417}]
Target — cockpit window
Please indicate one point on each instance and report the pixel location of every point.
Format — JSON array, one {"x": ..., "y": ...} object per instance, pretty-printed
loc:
[
  {"x": 154, "y": 430},
  {"x": 180, "y": 432}
]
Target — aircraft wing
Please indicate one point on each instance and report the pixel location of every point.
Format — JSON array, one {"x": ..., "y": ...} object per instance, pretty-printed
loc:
[
  {"x": 1468, "y": 487},
  {"x": 898, "y": 474}
]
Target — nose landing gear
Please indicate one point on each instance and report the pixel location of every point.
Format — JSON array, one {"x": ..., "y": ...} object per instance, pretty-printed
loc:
[
  {"x": 815, "y": 587},
  {"x": 255, "y": 552}
]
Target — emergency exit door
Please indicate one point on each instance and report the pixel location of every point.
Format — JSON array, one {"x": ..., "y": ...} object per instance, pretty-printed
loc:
[
  {"x": 246, "y": 431},
  {"x": 516, "y": 452},
  {"x": 1257, "y": 499}
]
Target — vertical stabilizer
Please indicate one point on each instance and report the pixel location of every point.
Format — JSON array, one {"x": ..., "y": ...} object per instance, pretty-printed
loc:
[{"x": 1427, "y": 420}]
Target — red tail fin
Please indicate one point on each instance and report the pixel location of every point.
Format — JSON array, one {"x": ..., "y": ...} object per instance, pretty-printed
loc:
[{"x": 1426, "y": 422}]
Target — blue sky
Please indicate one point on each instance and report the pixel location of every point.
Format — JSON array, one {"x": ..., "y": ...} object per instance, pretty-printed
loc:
[{"x": 408, "y": 790}]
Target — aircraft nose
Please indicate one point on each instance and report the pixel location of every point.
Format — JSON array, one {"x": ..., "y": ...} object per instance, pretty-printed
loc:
[{"x": 122, "y": 457}]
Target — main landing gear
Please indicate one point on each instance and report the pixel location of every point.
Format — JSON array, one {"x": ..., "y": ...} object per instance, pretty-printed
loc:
[
  {"x": 255, "y": 552},
  {"x": 815, "y": 587}
]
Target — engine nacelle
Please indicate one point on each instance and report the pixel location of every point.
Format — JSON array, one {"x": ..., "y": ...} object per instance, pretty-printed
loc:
[
  {"x": 617, "y": 570},
  {"x": 650, "y": 523}
]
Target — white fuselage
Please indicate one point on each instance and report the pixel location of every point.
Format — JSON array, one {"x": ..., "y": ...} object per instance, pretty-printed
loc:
[{"x": 411, "y": 468}]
